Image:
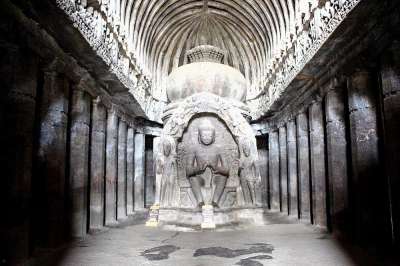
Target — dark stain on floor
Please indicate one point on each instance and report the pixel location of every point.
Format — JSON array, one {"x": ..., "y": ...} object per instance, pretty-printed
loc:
[
  {"x": 251, "y": 261},
  {"x": 233, "y": 253},
  {"x": 159, "y": 253}
]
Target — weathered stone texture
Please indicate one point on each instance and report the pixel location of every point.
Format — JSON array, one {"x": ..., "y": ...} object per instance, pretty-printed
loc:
[
  {"x": 121, "y": 193},
  {"x": 390, "y": 75},
  {"x": 336, "y": 145},
  {"x": 18, "y": 85},
  {"x": 317, "y": 158},
  {"x": 283, "y": 178},
  {"x": 149, "y": 173},
  {"x": 79, "y": 162},
  {"x": 365, "y": 152},
  {"x": 111, "y": 168},
  {"x": 139, "y": 171},
  {"x": 303, "y": 165},
  {"x": 274, "y": 170},
  {"x": 263, "y": 158},
  {"x": 292, "y": 167},
  {"x": 51, "y": 157},
  {"x": 130, "y": 169},
  {"x": 97, "y": 164}
]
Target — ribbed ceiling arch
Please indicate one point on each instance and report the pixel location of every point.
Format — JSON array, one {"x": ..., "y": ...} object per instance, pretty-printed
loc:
[{"x": 159, "y": 32}]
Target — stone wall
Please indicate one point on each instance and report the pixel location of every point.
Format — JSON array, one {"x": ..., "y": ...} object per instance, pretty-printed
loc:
[
  {"x": 338, "y": 164},
  {"x": 68, "y": 155}
]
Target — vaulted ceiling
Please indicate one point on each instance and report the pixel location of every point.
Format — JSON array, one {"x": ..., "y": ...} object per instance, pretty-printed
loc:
[
  {"x": 161, "y": 31},
  {"x": 269, "y": 41}
]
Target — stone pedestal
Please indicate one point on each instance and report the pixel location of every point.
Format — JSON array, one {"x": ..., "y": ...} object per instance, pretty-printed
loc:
[
  {"x": 121, "y": 194},
  {"x": 303, "y": 166},
  {"x": 318, "y": 174},
  {"x": 139, "y": 171},
  {"x": 207, "y": 211},
  {"x": 153, "y": 216},
  {"x": 292, "y": 167},
  {"x": 274, "y": 170},
  {"x": 130, "y": 169},
  {"x": 97, "y": 165},
  {"x": 79, "y": 162},
  {"x": 111, "y": 168},
  {"x": 283, "y": 169},
  {"x": 336, "y": 145}
]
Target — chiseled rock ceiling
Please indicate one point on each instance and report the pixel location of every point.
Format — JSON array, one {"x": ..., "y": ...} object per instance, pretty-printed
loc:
[
  {"x": 269, "y": 41},
  {"x": 162, "y": 31}
]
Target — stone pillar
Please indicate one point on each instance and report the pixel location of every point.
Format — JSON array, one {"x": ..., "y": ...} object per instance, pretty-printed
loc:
[
  {"x": 274, "y": 170},
  {"x": 150, "y": 175},
  {"x": 391, "y": 106},
  {"x": 130, "y": 169},
  {"x": 303, "y": 166},
  {"x": 111, "y": 168},
  {"x": 336, "y": 146},
  {"x": 263, "y": 158},
  {"x": 51, "y": 160},
  {"x": 79, "y": 161},
  {"x": 19, "y": 82},
  {"x": 365, "y": 155},
  {"x": 97, "y": 164},
  {"x": 292, "y": 167},
  {"x": 139, "y": 171},
  {"x": 317, "y": 158},
  {"x": 283, "y": 169},
  {"x": 121, "y": 193}
]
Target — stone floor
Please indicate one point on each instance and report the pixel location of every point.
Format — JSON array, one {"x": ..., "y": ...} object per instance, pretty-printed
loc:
[{"x": 273, "y": 244}]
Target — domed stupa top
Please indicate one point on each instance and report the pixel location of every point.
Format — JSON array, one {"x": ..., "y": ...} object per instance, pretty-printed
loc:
[{"x": 206, "y": 73}]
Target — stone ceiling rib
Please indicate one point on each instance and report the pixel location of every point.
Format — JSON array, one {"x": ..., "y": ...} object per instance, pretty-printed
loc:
[
  {"x": 247, "y": 29},
  {"x": 269, "y": 41}
]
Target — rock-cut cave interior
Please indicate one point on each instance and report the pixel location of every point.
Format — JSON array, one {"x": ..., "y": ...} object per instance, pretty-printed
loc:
[{"x": 200, "y": 132}]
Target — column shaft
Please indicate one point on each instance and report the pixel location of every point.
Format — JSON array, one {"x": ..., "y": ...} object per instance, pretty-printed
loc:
[
  {"x": 365, "y": 155},
  {"x": 111, "y": 168},
  {"x": 122, "y": 130},
  {"x": 390, "y": 75},
  {"x": 130, "y": 169},
  {"x": 51, "y": 159},
  {"x": 97, "y": 164},
  {"x": 263, "y": 157},
  {"x": 19, "y": 82},
  {"x": 283, "y": 169},
  {"x": 303, "y": 164},
  {"x": 274, "y": 170},
  {"x": 79, "y": 162},
  {"x": 292, "y": 167},
  {"x": 318, "y": 174},
  {"x": 139, "y": 171},
  {"x": 336, "y": 145}
]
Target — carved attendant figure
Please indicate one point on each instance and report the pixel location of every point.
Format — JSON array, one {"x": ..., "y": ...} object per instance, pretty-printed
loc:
[
  {"x": 248, "y": 173},
  {"x": 166, "y": 171}
]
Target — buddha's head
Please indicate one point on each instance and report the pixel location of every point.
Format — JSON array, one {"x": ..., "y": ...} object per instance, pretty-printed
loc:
[{"x": 206, "y": 132}]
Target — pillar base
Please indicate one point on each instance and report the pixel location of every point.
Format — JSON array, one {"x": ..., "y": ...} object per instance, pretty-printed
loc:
[
  {"x": 207, "y": 212},
  {"x": 153, "y": 220}
]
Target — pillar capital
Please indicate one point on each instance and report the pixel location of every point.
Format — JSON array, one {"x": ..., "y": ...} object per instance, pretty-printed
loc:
[{"x": 54, "y": 66}]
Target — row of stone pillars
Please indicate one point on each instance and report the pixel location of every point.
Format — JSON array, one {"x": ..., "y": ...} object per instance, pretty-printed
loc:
[
  {"x": 336, "y": 163},
  {"x": 105, "y": 164},
  {"x": 72, "y": 163}
]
